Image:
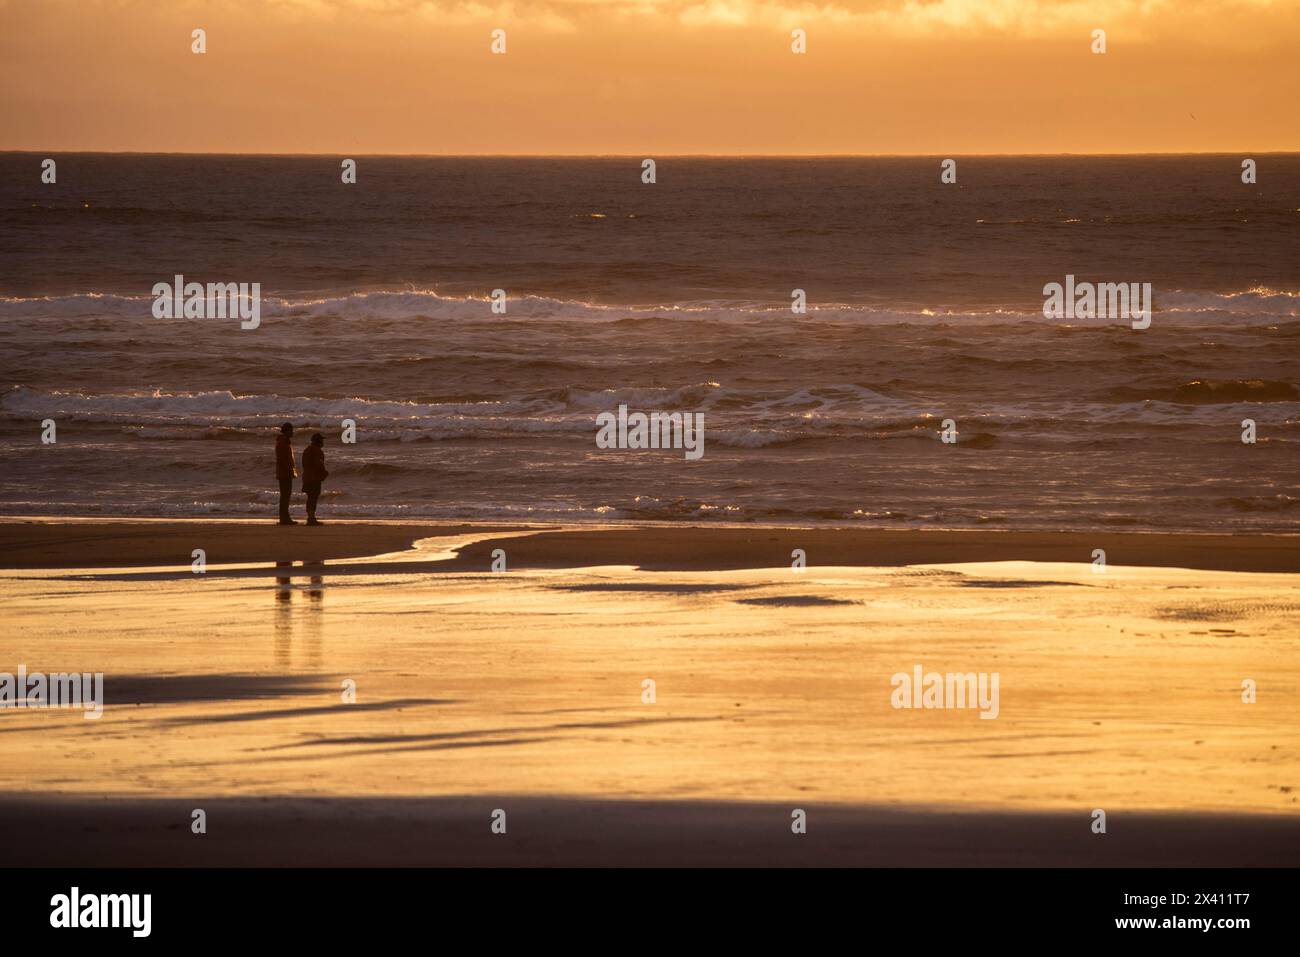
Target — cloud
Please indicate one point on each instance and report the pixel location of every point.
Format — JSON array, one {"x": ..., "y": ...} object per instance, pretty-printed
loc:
[{"x": 1019, "y": 18}]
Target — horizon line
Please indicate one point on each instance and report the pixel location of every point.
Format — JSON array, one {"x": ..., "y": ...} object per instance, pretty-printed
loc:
[{"x": 643, "y": 155}]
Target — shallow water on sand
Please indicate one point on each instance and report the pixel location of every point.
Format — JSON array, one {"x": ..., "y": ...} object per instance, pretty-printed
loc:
[{"x": 1120, "y": 690}]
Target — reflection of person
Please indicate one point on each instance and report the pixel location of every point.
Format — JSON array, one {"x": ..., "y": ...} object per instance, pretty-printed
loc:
[
  {"x": 284, "y": 471},
  {"x": 313, "y": 473}
]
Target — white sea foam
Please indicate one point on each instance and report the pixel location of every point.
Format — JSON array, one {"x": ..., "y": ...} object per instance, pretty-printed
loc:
[
  {"x": 747, "y": 419},
  {"x": 429, "y": 304}
]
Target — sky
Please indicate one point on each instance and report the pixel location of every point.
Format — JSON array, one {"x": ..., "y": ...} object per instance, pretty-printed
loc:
[{"x": 650, "y": 77}]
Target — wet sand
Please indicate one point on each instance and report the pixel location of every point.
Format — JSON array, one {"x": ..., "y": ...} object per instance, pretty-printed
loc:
[
  {"x": 99, "y": 543},
  {"x": 525, "y": 690}
]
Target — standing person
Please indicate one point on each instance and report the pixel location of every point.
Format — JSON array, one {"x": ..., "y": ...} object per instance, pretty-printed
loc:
[
  {"x": 313, "y": 473},
  {"x": 284, "y": 470}
]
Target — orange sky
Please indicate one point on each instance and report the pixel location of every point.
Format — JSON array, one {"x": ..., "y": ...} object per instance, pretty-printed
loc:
[{"x": 650, "y": 77}]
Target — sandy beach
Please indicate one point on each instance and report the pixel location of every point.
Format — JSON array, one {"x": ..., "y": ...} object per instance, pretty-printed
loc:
[{"x": 524, "y": 691}]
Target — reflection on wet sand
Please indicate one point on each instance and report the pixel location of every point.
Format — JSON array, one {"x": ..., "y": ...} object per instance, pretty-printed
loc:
[
  {"x": 311, "y": 626},
  {"x": 1120, "y": 691}
]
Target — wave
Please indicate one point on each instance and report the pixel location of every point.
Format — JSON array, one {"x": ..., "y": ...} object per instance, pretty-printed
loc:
[
  {"x": 1259, "y": 300},
  {"x": 1260, "y": 503},
  {"x": 378, "y": 470},
  {"x": 1214, "y": 391},
  {"x": 735, "y": 418},
  {"x": 694, "y": 397},
  {"x": 428, "y": 304},
  {"x": 200, "y": 408},
  {"x": 757, "y": 438}
]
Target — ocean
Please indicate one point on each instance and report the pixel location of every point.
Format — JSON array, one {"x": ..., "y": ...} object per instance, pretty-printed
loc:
[{"x": 924, "y": 304}]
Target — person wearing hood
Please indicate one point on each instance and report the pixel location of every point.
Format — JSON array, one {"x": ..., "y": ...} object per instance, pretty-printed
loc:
[{"x": 313, "y": 473}]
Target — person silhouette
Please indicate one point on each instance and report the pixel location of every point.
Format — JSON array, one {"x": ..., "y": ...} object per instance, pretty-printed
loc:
[
  {"x": 313, "y": 473},
  {"x": 284, "y": 470}
]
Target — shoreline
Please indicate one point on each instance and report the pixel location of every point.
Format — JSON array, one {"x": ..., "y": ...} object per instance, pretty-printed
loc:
[
  {"x": 44, "y": 543},
  {"x": 111, "y": 543}
]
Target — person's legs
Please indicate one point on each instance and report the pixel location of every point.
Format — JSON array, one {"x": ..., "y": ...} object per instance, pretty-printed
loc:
[
  {"x": 286, "y": 492},
  {"x": 313, "y": 494}
]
